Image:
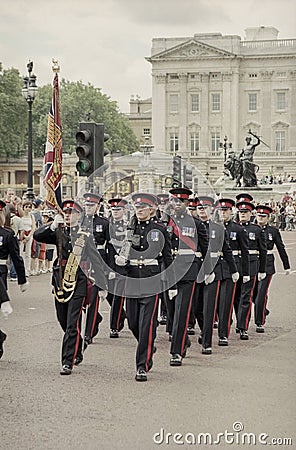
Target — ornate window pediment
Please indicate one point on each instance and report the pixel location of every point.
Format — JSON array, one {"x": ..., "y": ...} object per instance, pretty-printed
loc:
[
  {"x": 280, "y": 125},
  {"x": 192, "y": 49}
]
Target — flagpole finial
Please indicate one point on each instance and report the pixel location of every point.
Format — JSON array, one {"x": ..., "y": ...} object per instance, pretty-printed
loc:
[{"x": 55, "y": 66}]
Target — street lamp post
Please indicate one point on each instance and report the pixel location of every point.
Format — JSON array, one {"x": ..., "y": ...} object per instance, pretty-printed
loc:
[
  {"x": 29, "y": 92},
  {"x": 225, "y": 146}
]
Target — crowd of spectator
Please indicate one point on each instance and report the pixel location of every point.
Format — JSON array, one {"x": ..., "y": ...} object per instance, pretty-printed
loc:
[
  {"x": 277, "y": 179},
  {"x": 24, "y": 217}
]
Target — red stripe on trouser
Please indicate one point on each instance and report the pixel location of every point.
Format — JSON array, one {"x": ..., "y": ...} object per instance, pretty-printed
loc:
[
  {"x": 250, "y": 307},
  {"x": 120, "y": 310},
  {"x": 95, "y": 315},
  {"x": 149, "y": 349},
  {"x": 231, "y": 309},
  {"x": 78, "y": 334},
  {"x": 187, "y": 319},
  {"x": 265, "y": 300},
  {"x": 216, "y": 301}
]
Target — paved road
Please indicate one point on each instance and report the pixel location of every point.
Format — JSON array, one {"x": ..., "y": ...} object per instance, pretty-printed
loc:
[{"x": 100, "y": 406}]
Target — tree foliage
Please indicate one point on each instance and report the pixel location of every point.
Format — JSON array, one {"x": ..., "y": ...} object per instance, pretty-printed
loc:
[
  {"x": 78, "y": 102},
  {"x": 13, "y": 114}
]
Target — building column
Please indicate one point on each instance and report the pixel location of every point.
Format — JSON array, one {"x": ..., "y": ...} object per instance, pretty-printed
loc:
[
  {"x": 234, "y": 109},
  {"x": 183, "y": 115},
  {"x": 204, "y": 115},
  {"x": 159, "y": 112}
]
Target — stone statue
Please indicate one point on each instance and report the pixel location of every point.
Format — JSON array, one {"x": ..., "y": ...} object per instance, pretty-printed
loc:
[
  {"x": 249, "y": 168},
  {"x": 233, "y": 167}
]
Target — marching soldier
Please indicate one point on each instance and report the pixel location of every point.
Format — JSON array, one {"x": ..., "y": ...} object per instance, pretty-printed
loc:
[
  {"x": 188, "y": 234},
  {"x": 150, "y": 248},
  {"x": 257, "y": 257},
  {"x": 98, "y": 226},
  {"x": 163, "y": 204},
  {"x": 219, "y": 265},
  {"x": 273, "y": 238},
  {"x": 116, "y": 283},
  {"x": 238, "y": 241},
  {"x": 8, "y": 247},
  {"x": 77, "y": 255}
]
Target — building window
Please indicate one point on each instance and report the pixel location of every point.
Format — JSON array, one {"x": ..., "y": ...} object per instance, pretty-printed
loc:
[
  {"x": 195, "y": 103},
  {"x": 215, "y": 142},
  {"x": 280, "y": 141},
  {"x": 174, "y": 103},
  {"x": 252, "y": 75},
  {"x": 281, "y": 74},
  {"x": 252, "y": 102},
  {"x": 146, "y": 132},
  {"x": 174, "y": 76},
  {"x": 194, "y": 143},
  {"x": 174, "y": 143},
  {"x": 281, "y": 100},
  {"x": 216, "y": 102}
]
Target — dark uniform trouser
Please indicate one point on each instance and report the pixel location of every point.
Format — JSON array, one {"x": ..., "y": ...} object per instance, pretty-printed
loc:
[
  {"x": 226, "y": 300},
  {"x": 170, "y": 308},
  {"x": 69, "y": 315},
  {"x": 93, "y": 317},
  {"x": 183, "y": 302},
  {"x": 117, "y": 313},
  {"x": 211, "y": 294},
  {"x": 261, "y": 300},
  {"x": 198, "y": 312},
  {"x": 142, "y": 321},
  {"x": 245, "y": 304}
]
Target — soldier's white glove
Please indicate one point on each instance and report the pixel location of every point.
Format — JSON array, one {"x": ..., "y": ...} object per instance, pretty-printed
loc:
[
  {"x": 235, "y": 277},
  {"x": 120, "y": 260},
  {"x": 103, "y": 295},
  {"x": 246, "y": 278},
  {"x": 261, "y": 276},
  {"x": 172, "y": 293},
  {"x": 111, "y": 276},
  {"x": 210, "y": 278},
  {"x": 24, "y": 287},
  {"x": 6, "y": 309},
  {"x": 57, "y": 220},
  {"x": 288, "y": 271}
]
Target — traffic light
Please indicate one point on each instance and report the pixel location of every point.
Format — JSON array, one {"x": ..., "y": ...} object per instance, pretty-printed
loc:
[
  {"x": 90, "y": 147},
  {"x": 177, "y": 167},
  {"x": 100, "y": 138},
  {"x": 188, "y": 178}
]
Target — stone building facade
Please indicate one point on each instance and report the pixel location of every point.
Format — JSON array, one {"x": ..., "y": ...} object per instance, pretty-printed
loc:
[{"x": 210, "y": 87}]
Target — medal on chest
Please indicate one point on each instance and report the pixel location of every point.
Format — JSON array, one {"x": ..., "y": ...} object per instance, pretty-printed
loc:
[
  {"x": 233, "y": 235},
  {"x": 99, "y": 228},
  {"x": 188, "y": 231},
  {"x": 252, "y": 236}
]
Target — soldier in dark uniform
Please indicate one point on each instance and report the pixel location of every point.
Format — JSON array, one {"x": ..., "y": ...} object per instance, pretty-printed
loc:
[
  {"x": 98, "y": 226},
  {"x": 77, "y": 255},
  {"x": 219, "y": 266},
  {"x": 257, "y": 256},
  {"x": 238, "y": 241},
  {"x": 163, "y": 202},
  {"x": 150, "y": 248},
  {"x": 273, "y": 238},
  {"x": 188, "y": 235},
  {"x": 8, "y": 247},
  {"x": 191, "y": 331},
  {"x": 116, "y": 283}
]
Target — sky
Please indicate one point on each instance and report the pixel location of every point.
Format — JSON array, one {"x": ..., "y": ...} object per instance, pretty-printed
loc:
[{"x": 105, "y": 42}]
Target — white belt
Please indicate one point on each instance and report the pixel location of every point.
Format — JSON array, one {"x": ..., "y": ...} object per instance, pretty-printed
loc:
[
  {"x": 183, "y": 251},
  {"x": 270, "y": 252},
  {"x": 101, "y": 247},
  {"x": 236, "y": 252},
  {"x": 143, "y": 262},
  {"x": 215, "y": 254},
  {"x": 3, "y": 262},
  {"x": 253, "y": 252},
  {"x": 198, "y": 254}
]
